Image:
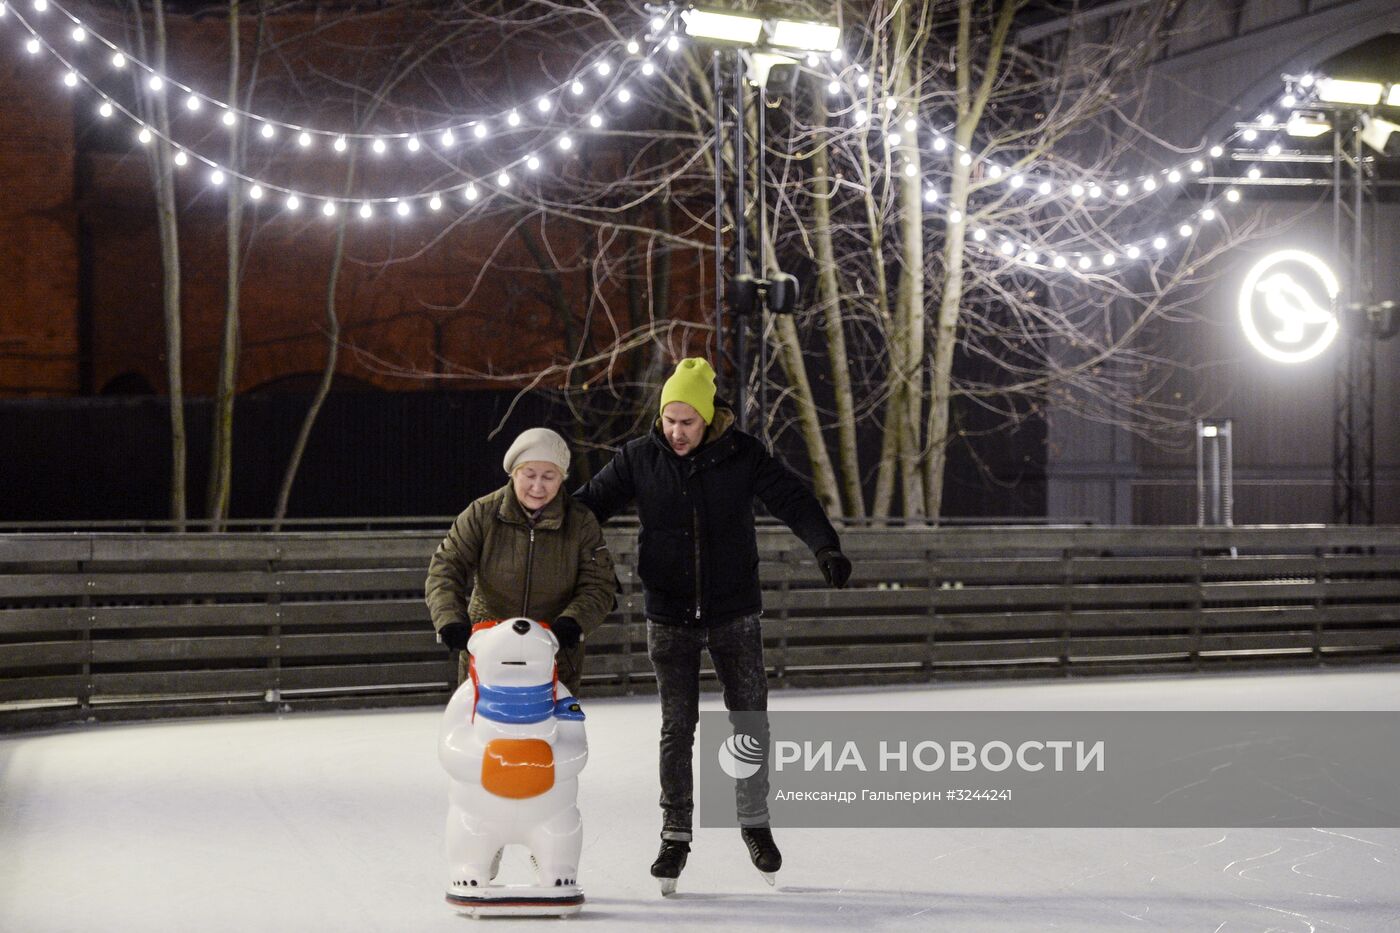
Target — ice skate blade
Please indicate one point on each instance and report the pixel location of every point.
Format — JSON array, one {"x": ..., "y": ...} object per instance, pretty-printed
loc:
[
  {"x": 771, "y": 877},
  {"x": 516, "y": 900},
  {"x": 668, "y": 886}
]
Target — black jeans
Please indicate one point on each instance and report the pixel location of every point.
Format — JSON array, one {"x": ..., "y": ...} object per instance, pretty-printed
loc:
[{"x": 736, "y": 648}]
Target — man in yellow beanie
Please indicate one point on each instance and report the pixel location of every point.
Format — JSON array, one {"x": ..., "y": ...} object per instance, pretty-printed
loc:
[{"x": 694, "y": 478}]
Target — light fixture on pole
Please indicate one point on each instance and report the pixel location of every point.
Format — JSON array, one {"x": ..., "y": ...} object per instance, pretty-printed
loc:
[
  {"x": 1342, "y": 91},
  {"x": 1308, "y": 124}
]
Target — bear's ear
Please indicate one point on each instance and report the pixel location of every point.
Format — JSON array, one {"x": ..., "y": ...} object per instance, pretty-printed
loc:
[{"x": 482, "y": 626}]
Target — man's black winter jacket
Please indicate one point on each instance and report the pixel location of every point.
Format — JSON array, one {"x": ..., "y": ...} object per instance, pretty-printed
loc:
[{"x": 698, "y": 553}]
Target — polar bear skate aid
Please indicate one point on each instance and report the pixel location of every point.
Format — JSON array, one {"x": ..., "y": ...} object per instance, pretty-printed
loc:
[{"x": 512, "y": 739}]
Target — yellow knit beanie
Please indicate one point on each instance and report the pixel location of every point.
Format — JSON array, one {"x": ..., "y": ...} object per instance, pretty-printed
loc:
[{"x": 693, "y": 382}]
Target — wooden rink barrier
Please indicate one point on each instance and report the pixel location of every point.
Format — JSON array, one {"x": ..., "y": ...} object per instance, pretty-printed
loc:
[{"x": 101, "y": 625}]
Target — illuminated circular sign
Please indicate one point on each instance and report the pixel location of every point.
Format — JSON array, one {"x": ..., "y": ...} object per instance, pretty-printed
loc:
[{"x": 1288, "y": 306}]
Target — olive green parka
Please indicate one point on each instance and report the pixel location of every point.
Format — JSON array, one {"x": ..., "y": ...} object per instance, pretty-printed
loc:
[{"x": 498, "y": 562}]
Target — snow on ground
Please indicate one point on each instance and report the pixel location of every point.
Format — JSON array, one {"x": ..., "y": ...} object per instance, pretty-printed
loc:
[{"x": 333, "y": 821}]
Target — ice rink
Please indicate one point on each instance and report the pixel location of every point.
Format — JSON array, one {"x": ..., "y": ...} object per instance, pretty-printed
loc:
[{"x": 310, "y": 822}]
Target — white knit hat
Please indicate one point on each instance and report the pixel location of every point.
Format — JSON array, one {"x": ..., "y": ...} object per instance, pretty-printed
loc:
[{"x": 538, "y": 444}]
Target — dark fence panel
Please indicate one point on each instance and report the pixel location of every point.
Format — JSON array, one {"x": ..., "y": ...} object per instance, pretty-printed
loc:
[{"x": 113, "y": 626}]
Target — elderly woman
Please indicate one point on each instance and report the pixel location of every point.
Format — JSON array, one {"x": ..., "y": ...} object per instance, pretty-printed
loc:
[{"x": 526, "y": 549}]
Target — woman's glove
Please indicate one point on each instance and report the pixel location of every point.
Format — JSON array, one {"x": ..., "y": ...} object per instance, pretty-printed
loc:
[
  {"x": 568, "y": 631},
  {"x": 455, "y": 635},
  {"x": 836, "y": 567}
]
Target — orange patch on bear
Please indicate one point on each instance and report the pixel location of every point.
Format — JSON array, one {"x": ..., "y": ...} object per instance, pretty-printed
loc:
[{"x": 517, "y": 768}]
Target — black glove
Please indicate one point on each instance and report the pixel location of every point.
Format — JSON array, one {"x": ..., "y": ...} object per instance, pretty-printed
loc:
[
  {"x": 568, "y": 631},
  {"x": 836, "y": 567},
  {"x": 455, "y": 635}
]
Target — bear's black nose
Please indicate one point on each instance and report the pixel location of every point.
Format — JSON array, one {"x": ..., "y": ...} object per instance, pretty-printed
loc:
[{"x": 521, "y": 626}]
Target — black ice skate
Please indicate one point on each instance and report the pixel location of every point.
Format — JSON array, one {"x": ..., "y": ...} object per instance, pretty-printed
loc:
[
  {"x": 763, "y": 850},
  {"x": 669, "y": 862}
]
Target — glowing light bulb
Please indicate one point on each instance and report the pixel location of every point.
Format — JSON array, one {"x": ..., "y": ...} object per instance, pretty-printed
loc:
[
  {"x": 1149, "y": 184},
  {"x": 268, "y": 131},
  {"x": 965, "y": 159},
  {"x": 1249, "y": 135},
  {"x": 632, "y": 47},
  {"x": 229, "y": 118},
  {"x": 293, "y": 203},
  {"x": 894, "y": 139},
  {"x": 1007, "y": 247},
  {"x": 447, "y": 139},
  {"x": 837, "y": 55},
  {"x": 503, "y": 180},
  {"x": 216, "y": 177},
  {"x": 1109, "y": 259},
  {"x": 366, "y": 211},
  {"x": 1266, "y": 119},
  {"x": 533, "y": 163},
  {"x": 181, "y": 159},
  {"x": 340, "y": 144},
  {"x": 471, "y": 194},
  {"x": 1307, "y": 80},
  {"x": 513, "y": 118},
  {"x": 79, "y": 34},
  {"x": 595, "y": 120},
  {"x": 118, "y": 60},
  {"x": 32, "y": 46},
  {"x": 623, "y": 95},
  {"x": 479, "y": 131},
  {"x": 911, "y": 125},
  {"x": 930, "y": 195},
  {"x": 1255, "y": 173},
  {"x": 1159, "y": 242},
  {"x": 576, "y": 88},
  {"x": 106, "y": 109},
  {"x": 155, "y": 83},
  {"x": 1044, "y": 187},
  {"x": 255, "y": 193},
  {"x": 1185, "y": 230},
  {"x": 1217, "y": 151},
  {"x": 1208, "y": 214},
  {"x": 1076, "y": 190},
  {"x": 979, "y": 235},
  {"x": 994, "y": 171},
  {"x": 1132, "y": 252},
  {"x": 71, "y": 79},
  {"x": 672, "y": 44},
  {"x": 1095, "y": 192},
  {"x": 1274, "y": 149},
  {"x": 304, "y": 140},
  {"x": 566, "y": 143},
  {"x": 648, "y": 69},
  {"x": 379, "y": 146},
  {"x": 863, "y": 81},
  {"x": 939, "y": 144},
  {"x": 1173, "y": 176},
  {"x": 1232, "y": 196},
  {"x": 413, "y": 145},
  {"x": 1059, "y": 262},
  {"x": 860, "y": 117},
  {"x": 1288, "y": 100},
  {"x": 1017, "y": 181},
  {"x": 1085, "y": 262},
  {"x": 812, "y": 59},
  {"x": 1197, "y": 166},
  {"x": 910, "y": 171},
  {"x": 328, "y": 208},
  {"x": 955, "y": 217},
  {"x": 41, "y": 6},
  {"x": 144, "y": 136},
  {"x": 1122, "y": 190},
  {"x": 401, "y": 209},
  {"x": 834, "y": 87},
  {"x": 1032, "y": 257},
  {"x": 605, "y": 68},
  {"x": 435, "y": 203}
]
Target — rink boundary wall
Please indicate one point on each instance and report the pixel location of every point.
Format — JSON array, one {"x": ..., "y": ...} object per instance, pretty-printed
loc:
[{"x": 112, "y": 626}]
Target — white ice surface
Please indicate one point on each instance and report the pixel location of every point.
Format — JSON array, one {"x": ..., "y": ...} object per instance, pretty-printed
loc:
[{"x": 333, "y": 821}]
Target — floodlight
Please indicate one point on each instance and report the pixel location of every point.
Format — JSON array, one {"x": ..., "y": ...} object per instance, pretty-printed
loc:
[
  {"x": 1307, "y": 124},
  {"x": 722, "y": 27},
  {"x": 1375, "y": 132},
  {"x": 809, "y": 37},
  {"x": 1360, "y": 93},
  {"x": 761, "y": 63},
  {"x": 1393, "y": 98}
]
